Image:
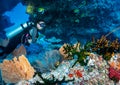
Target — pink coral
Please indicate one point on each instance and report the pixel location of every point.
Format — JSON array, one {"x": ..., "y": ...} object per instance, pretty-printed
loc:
[{"x": 114, "y": 74}]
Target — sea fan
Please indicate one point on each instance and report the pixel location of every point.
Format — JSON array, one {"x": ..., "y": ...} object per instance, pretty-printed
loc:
[
  {"x": 16, "y": 69},
  {"x": 47, "y": 62}
]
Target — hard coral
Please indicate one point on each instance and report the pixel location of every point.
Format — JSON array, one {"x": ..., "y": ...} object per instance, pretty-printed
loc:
[
  {"x": 17, "y": 69},
  {"x": 101, "y": 43},
  {"x": 105, "y": 47},
  {"x": 115, "y": 44}
]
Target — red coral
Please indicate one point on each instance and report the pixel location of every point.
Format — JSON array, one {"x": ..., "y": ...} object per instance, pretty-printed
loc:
[
  {"x": 114, "y": 74},
  {"x": 70, "y": 75},
  {"x": 78, "y": 73}
]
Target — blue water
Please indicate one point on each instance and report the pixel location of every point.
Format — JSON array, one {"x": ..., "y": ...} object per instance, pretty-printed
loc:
[{"x": 17, "y": 16}]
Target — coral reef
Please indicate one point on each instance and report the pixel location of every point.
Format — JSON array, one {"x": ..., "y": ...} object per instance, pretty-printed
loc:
[
  {"x": 114, "y": 69},
  {"x": 53, "y": 81},
  {"x": 104, "y": 47},
  {"x": 16, "y": 70},
  {"x": 96, "y": 63},
  {"x": 96, "y": 74},
  {"x": 69, "y": 51},
  {"x": 80, "y": 65}
]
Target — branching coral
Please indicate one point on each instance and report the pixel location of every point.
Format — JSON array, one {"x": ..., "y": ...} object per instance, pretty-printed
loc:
[
  {"x": 69, "y": 51},
  {"x": 17, "y": 69},
  {"x": 102, "y": 42},
  {"x": 115, "y": 44},
  {"x": 105, "y": 47},
  {"x": 102, "y": 47}
]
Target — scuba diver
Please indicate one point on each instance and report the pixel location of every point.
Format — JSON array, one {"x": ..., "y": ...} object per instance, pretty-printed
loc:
[
  {"x": 27, "y": 33},
  {"x": 31, "y": 35}
]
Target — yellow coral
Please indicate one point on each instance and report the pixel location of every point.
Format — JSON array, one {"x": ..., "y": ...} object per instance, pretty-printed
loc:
[
  {"x": 17, "y": 69},
  {"x": 64, "y": 54},
  {"x": 62, "y": 51}
]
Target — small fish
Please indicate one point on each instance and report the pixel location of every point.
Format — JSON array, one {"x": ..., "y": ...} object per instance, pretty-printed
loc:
[
  {"x": 30, "y": 9},
  {"x": 41, "y": 10},
  {"x": 76, "y": 11},
  {"x": 57, "y": 64}
]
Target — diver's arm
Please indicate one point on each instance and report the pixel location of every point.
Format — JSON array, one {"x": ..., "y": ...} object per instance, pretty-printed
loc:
[{"x": 34, "y": 34}]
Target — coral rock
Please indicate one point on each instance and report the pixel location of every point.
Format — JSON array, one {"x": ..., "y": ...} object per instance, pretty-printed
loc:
[
  {"x": 19, "y": 51},
  {"x": 17, "y": 69}
]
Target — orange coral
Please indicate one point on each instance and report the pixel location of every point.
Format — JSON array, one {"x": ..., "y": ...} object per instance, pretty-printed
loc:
[
  {"x": 112, "y": 64},
  {"x": 70, "y": 75},
  {"x": 115, "y": 64},
  {"x": 62, "y": 52},
  {"x": 118, "y": 66},
  {"x": 78, "y": 73},
  {"x": 17, "y": 69}
]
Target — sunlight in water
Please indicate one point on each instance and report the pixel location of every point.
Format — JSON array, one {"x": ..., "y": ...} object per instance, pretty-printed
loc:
[{"x": 112, "y": 31}]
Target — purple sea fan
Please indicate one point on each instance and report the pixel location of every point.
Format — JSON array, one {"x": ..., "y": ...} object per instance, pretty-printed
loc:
[{"x": 48, "y": 61}]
